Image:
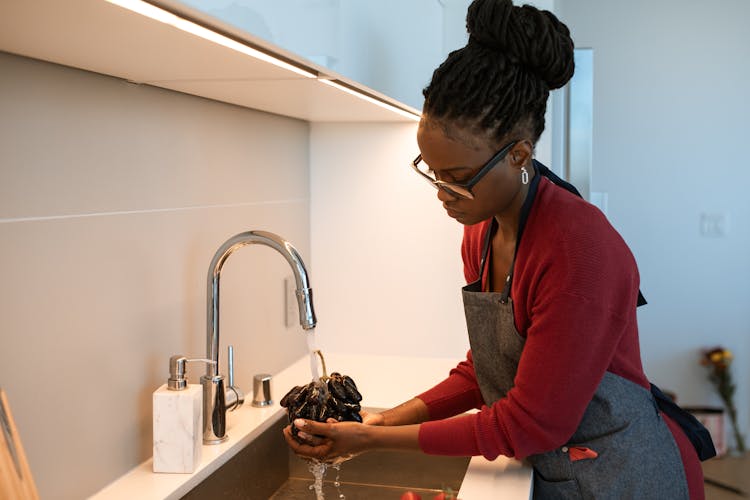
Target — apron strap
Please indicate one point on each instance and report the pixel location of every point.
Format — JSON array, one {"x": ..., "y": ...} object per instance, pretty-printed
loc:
[
  {"x": 486, "y": 247},
  {"x": 525, "y": 210}
]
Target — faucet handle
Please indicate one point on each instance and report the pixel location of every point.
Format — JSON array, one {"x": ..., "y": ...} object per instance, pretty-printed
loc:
[
  {"x": 230, "y": 364},
  {"x": 234, "y": 395}
]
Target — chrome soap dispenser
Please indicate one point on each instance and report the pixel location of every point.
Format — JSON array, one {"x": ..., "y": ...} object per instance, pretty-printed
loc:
[{"x": 178, "y": 420}]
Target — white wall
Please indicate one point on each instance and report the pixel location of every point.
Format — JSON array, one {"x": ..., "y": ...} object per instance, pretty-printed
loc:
[
  {"x": 387, "y": 256},
  {"x": 670, "y": 143},
  {"x": 113, "y": 199}
]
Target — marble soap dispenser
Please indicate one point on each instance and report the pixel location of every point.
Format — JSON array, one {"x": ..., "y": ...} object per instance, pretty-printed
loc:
[{"x": 178, "y": 421}]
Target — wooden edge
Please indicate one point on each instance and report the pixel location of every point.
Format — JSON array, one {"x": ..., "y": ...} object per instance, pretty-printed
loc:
[{"x": 13, "y": 486}]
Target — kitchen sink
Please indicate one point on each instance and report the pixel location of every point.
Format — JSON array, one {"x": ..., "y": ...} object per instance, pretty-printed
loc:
[{"x": 266, "y": 469}]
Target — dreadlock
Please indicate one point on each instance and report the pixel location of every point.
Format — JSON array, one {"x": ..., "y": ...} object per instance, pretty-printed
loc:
[{"x": 499, "y": 82}]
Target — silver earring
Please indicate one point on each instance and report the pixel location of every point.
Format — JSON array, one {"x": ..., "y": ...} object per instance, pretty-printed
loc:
[{"x": 524, "y": 176}]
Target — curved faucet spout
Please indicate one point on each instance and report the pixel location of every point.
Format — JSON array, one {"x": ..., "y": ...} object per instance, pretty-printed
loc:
[{"x": 304, "y": 292}]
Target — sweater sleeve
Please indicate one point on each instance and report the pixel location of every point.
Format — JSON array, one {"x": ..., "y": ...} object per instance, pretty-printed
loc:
[
  {"x": 573, "y": 322},
  {"x": 456, "y": 394}
]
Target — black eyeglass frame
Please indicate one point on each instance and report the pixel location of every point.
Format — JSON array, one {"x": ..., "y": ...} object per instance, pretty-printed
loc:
[{"x": 463, "y": 190}]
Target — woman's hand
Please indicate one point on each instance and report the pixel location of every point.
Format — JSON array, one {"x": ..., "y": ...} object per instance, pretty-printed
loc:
[
  {"x": 336, "y": 441},
  {"x": 330, "y": 441},
  {"x": 322, "y": 448},
  {"x": 372, "y": 418}
]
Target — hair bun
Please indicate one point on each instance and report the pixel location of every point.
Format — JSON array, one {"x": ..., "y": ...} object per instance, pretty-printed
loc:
[{"x": 529, "y": 37}]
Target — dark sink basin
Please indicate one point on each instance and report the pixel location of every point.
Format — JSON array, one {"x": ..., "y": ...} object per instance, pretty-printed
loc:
[{"x": 266, "y": 469}]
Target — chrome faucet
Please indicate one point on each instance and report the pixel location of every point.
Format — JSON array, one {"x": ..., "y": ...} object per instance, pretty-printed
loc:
[{"x": 216, "y": 399}]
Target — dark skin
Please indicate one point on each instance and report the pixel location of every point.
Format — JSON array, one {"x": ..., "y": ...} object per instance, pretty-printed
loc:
[{"x": 454, "y": 156}]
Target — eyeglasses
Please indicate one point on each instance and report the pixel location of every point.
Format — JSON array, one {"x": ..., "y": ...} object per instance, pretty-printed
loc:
[{"x": 460, "y": 190}]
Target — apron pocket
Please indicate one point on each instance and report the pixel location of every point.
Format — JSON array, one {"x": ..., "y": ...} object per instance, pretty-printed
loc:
[{"x": 554, "y": 490}]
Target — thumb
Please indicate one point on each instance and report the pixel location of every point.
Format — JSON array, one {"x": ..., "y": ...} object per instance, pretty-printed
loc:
[{"x": 310, "y": 426}]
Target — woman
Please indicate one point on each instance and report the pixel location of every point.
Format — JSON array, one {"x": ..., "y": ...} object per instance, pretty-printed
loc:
[{"x": 554, "y": 365}]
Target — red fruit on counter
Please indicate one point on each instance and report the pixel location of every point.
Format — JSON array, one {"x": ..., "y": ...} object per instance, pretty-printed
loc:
[{"x": 410, "y": 495}]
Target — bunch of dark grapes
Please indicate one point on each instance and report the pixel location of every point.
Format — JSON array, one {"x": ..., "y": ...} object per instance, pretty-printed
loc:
[{"x": 336, "y": 397}]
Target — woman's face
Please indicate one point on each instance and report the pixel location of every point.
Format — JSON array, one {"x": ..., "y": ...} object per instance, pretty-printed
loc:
[{"x": 457, "y": 158}]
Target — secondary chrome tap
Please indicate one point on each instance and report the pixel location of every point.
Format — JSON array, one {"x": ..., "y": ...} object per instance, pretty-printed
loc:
[{"x": 216, "y": 399}]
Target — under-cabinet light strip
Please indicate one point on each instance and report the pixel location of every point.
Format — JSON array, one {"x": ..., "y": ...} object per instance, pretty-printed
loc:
[
  {"x": 372, "y": 100},
  {"x": 166, "y": 17},
  {"x": 163, "y": 16}
]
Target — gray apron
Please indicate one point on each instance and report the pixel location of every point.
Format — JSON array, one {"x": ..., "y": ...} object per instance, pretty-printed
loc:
[{"x": 635, "y": 455}]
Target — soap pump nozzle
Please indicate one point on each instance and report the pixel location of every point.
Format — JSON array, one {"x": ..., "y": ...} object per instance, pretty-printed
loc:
[{"x": 177, "y": 380}]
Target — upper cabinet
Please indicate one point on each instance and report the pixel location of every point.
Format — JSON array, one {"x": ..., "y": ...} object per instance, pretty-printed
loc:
[
  {"x": 180, "y": 47},
  {"x": 391, "y": 46}
]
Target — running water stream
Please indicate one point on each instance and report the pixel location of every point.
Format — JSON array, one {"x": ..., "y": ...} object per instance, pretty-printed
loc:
[
  {"x": 317, "y": 468},
  {"x": 312, "y": 349}
]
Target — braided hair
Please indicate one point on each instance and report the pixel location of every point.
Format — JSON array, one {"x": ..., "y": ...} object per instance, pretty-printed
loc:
[{"x": 499, "y": 82}]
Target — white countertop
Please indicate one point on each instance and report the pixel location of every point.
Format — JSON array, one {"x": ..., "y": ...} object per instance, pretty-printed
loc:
[{"x": 382, "y": 387}]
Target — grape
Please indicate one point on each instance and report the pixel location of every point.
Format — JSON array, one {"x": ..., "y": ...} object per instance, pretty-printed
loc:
[{"x": 334, "y": 397}]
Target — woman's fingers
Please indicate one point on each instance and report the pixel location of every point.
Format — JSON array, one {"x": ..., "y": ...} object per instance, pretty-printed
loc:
[
  {"x": 311, "y": 427},
  {"x": 315, "y": 448}
]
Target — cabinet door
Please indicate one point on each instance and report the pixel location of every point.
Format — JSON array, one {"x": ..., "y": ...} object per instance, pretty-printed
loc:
[{"x": 391, "y": 46}]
